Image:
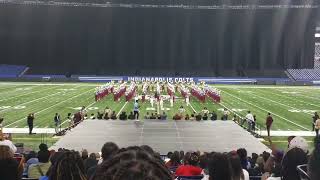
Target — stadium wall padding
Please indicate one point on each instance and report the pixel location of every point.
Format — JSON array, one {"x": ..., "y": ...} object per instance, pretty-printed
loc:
[{"x": 151, "y": 41}]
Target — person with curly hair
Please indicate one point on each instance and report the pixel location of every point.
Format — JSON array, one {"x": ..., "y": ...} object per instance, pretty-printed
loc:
[
  {"x": 68, "y": 166},
  {"x": 132, "y": 163},
  {"x": 190, "y": 167}
]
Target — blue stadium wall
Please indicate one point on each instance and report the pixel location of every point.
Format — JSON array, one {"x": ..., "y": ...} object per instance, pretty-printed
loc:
[{"x": 149, "y": 41}]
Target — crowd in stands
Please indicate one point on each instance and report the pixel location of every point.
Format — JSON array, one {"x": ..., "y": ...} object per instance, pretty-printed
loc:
[{"x": 143, "y": 163}]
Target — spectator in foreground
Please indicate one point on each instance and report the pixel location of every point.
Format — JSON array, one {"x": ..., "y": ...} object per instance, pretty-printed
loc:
[
  {"x": 174, "y": 160},
  {"x": 219, "y": 167},
  {"x": 31, "y": 158},
  {"x": 132, "y": 163},
  {"x": 203, "y": 163},
  {"x": 243, "y": 158},
  {"x": 190, "y": 168},
  {"x": 90, "y": 162},
  {"x": 43, "y": 151},
  {"x": 9, "y": 167},
  {"x": 84, "y": 154},
  {"x": 237, "y": 172},
  {"x": 291, "y": 160},
  {"x": 68, "y": 166},
  {"x": 40, "y": 168},
  {"x": 108, "y": 150},
  {"x": 187, "y": 117},
  {"x": 6, "y": 142},
  {"x": 314, "y": 161}
]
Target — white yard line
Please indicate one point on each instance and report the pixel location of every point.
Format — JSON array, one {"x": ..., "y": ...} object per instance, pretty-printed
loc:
[
  {"x": 309, "y": 97},
  {"x": 51, "y": 84},
  {"x": 50, "y": 107},
  {"x": 267, "y": 111},
  {"x": 26, "y": 94},
  {"x": 279, "y": 103},
  {"x": 192, "y": 108},
  {"x": 32, "y": 101},
  {"x": 267, "y": 87},
  {"x": 122, "y": 108},
  {"x": 294, "y": 99}
]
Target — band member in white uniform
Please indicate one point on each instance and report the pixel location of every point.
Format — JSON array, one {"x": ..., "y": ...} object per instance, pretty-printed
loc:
[
  {"x": 151, "y": 101},
  {"x": 171, "y": 101},
  {"x": 136, "y": 98},
  {"x": 187, "y": 100},
  {"x": 161, "y": 103}
]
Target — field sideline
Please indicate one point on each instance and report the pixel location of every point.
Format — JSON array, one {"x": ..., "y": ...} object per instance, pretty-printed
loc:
[{"x": 292, "y": 107}]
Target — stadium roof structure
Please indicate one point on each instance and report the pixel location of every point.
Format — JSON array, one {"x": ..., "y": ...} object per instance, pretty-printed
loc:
[{"x": 186, "y": 4}]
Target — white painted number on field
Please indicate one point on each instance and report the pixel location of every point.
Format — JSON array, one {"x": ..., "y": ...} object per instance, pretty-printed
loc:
[
  {"x": 244, "y": 91},
  {"x": 66, "y": 89},
  {"x": 12, "y": 107},
  {"x": 23, "y": 89},
  {"x": 289, "y": 92},
  {"x": 302, "y": 110},
  {"x": 19, "y": 107},
  {"x": 233, "y": 109},
  {"x": 150, "y": 109},
  {"x": 165, "y": 109}
]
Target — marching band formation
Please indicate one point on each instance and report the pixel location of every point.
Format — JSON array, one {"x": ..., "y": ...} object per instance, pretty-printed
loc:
[{"x": 154, "y": 92}]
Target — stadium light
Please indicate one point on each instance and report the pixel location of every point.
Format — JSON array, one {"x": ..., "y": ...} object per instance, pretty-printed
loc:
[{"x": 317, "y": 35}]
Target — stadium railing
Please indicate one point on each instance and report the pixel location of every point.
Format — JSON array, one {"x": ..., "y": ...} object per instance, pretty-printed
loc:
[
  {"x": 257, "y": 131},
  {"x": 302, "y": 170},
  {"x": 63, "y": 131}
]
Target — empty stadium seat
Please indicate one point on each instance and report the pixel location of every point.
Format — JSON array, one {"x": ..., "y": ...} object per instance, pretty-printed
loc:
[
  {"x": 11, "y": 70},
  {"x": 304, "y": 74}
]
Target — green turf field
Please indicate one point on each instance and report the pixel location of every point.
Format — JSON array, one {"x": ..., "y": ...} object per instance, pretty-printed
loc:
[{"x": 292, "y": 107}]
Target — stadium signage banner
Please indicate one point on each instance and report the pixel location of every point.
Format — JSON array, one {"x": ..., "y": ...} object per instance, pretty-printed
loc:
[
  {"x": 208, "y": 80},
  {"x": 160, "y": 79}
]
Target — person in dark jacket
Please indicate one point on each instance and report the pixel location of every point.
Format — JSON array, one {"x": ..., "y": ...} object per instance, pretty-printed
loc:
[
  {"x": 9, "y": 167},
  {"x": 30, "y": 119}
]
